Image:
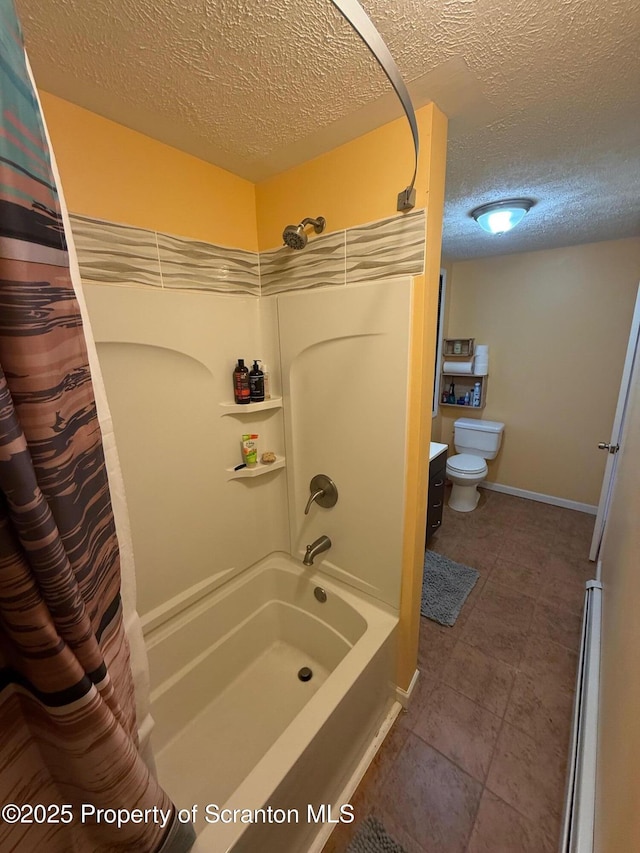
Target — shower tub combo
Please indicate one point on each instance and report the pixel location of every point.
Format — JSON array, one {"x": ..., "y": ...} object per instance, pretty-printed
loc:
[
  {"x": 241, "y": 726},
  {"x": 227, "y": 629}
]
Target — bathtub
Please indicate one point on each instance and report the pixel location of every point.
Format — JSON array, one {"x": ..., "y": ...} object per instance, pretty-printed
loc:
[{"x": 238, "y": 730}]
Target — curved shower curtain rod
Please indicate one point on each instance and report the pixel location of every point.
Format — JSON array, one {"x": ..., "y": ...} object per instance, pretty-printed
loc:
[{"x": 364, "y": 26}]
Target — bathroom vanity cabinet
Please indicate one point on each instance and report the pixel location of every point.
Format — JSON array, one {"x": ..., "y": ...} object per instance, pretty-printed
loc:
[{"x": 435, "y": 495}]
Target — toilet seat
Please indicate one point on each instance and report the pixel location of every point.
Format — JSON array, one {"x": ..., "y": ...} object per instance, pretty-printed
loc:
[{"x": 466, "y": 463}]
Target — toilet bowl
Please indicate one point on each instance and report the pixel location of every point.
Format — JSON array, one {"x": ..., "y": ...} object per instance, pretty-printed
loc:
[
  {"x": 475, "y": 441},
  {"x": 466, "y": 472}
]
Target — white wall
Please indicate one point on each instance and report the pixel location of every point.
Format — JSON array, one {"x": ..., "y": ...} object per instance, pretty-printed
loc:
[{"x": 617, "y": 825}]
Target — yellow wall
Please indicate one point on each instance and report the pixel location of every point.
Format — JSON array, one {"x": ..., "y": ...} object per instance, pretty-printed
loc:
[
  {"x": 557, "y": 324},
  {"x": 617, "y": 826},
  {"x": 111, "y": 172},
  {"x": 355, "y": 183}
]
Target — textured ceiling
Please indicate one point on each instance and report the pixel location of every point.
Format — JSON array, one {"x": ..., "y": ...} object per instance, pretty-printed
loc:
[{"x": 543, "y": 96}]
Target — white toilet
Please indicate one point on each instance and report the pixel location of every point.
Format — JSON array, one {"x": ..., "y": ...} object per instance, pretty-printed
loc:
[{"x": 475, "y": 441}]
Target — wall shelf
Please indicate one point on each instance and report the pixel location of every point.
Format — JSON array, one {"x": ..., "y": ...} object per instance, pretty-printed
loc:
[
  {"x": 464, "y": 382},
  {"x": 461, "y": 406},
  {"x": 464, "y": 347},
  {"x": 231, "y": 408},
  {"x": 477, "y": 377},
  {"x": 260, "y": 469}
]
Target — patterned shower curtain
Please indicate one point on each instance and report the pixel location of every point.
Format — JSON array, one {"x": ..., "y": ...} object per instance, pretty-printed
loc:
[{"x": 71, "y": 777}]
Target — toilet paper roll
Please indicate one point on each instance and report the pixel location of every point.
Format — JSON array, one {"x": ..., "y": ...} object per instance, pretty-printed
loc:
[
  {"x": 482, "y": 349},
  {"x": 481, "y": 368},
  {"x": 461, "y": 368}
]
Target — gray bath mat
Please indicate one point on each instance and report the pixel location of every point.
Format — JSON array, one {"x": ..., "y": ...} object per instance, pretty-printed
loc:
[
  {"x": 372, "y": 838},
  {"x": 445, "y": 587}
]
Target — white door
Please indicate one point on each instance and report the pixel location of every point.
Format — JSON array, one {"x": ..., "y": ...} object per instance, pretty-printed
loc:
[{"x": 613, "y": 445}]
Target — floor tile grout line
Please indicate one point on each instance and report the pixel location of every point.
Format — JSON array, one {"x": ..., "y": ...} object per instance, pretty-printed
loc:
[
  {"x": 497, "y": 660},
  {"x": 477, "y": 704},
  {"x": 448, "y": 758},
  {"x": 511, "y": 806},
  {"x": 504, "y": 717},
  {"x": 497, "y": 741},
  {"x": 466, "y": 772}
]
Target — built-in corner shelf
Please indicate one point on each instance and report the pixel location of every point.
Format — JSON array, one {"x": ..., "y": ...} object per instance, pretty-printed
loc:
[
  {"x": 231, "y": 408},
  {"x": 257, "y": 470}
]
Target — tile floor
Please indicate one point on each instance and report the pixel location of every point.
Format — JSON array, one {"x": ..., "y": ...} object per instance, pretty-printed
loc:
[{"x": 477, "y": 764}]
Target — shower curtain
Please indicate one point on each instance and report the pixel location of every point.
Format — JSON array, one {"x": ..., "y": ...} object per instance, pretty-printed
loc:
[{"x": 72, "y": 779}]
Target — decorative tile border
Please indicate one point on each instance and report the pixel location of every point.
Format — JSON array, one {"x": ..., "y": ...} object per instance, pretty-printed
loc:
[
  {"x": 319, "y": 264},
  {"x": 115, "y": 254},
  {"x": 195, "y": 265},
  {"x": 385, "y": 249},
  {"x": 122, "y": 254}
]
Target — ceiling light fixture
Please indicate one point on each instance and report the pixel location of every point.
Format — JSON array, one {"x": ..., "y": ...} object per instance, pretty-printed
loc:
[{"x": 501, "y": 216}]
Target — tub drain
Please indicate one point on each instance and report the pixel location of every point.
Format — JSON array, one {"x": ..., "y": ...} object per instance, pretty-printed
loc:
[{"x": 305, "y": 674}]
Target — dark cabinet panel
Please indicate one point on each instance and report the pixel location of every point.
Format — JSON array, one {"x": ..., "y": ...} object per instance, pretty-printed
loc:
[{"x": 435, "y": 495}]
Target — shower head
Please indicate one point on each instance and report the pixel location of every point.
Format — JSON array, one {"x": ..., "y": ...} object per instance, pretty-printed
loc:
[{"x": 294, "y": 236}]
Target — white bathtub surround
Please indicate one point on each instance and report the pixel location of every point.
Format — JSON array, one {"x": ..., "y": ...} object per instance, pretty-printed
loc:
[
  {"x": 237, "y": 707},
  {"x": 167, "y": 358},
  {"x": 345, "y": 363},
  {"x": 227, "y": 629}
]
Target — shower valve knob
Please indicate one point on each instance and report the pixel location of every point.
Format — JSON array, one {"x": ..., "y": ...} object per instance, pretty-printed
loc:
[{"x": 324, "y": 492}]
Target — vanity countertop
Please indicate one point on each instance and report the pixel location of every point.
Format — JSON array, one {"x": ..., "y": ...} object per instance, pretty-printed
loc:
[{"x": 435, "y": 449}]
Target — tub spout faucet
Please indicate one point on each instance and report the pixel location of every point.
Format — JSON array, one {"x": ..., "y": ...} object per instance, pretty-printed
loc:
[{"x": 323, "y": 543}]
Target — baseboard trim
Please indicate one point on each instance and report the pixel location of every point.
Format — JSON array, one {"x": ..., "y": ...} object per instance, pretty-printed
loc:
[
  {"x": 538, "y": 496},
  {"x": 404, "y": 696}
]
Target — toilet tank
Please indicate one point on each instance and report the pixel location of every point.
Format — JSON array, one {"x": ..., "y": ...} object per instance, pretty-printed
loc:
[{"x": 480, "y": 438}]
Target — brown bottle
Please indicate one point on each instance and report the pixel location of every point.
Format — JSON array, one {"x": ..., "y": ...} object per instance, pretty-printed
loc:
[{"x": 241, "y": 389}]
